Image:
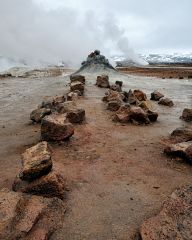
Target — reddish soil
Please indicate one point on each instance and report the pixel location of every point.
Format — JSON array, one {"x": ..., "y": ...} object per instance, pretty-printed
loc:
[
  {"x": 159, "y": 71},
  {"x": 117, "y": 175}
]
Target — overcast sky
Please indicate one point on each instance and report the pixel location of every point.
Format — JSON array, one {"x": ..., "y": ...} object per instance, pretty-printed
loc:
[
  {"x": 61, "y": 29},
  {"x": 150, "y": 25}
]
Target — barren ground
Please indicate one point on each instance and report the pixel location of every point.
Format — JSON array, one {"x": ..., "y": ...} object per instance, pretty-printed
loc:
[
  {"x": 117, "y": 174},
  {"x": 161, "y": 71}
]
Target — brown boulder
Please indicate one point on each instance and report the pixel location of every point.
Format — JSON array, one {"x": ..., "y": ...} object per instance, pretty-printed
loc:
[
  {"x": 27, "y": 217},
  {"x": 141, "y": 96},
  {"x": 38, "y": 114},
  {"x": 174, "y": 220},
  {"x": 74, "y": 86},
  {"x": 50, "y": 185},
  {"x": 114, "y": 105},
  {"x": 66, "y": 107},
  {"x": 156, "y": 95},
  {"x": 76, "y": 115},
  {"x": 138, "y": 115},
  {"x": 36, "y": 161},
  {"x": 123, "y": 114},
  {"x": 182, "y": 134},
  {"x": 111, "y": 95},
  {"x": 187, "y": 115},
  {"x": 166, "y": 102},
  {"x": 103, "y": 81},
  {"x": 55, "y": 128},
  {"x": 79, "y": 78},
  {"x": 182, "y": 150}
]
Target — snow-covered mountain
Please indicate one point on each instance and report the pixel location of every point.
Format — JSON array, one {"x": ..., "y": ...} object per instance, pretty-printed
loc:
[
  {"x": 168, "y": 58},
  {"x": 154, "y": 58}
]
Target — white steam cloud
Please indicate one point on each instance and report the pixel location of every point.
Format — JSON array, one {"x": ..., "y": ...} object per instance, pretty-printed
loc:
[{"x": 31, "y": 33}]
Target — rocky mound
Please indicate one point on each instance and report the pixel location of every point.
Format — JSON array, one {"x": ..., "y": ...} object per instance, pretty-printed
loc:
[{"x": 95, "y": 62}]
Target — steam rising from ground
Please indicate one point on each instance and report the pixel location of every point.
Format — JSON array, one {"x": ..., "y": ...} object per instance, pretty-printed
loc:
[{"x": 36, "y": 35}]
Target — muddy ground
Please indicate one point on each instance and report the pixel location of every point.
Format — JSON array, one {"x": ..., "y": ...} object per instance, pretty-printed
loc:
[{"x": 117, "y": 175}]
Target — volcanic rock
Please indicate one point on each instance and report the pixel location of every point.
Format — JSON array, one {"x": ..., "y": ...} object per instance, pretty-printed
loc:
[
  {"x": 152, "y": 115},
  {"x": 74, "y": 86},
  {"x": 120, "y": 83},
  {"x": 76, "y": 115},
  {"x": 131, "y": 97},
  {"x": 182, "y": 134},
  {"x": 138, "y": 115},
  {"x": 79, "y": 78},
  {"x": 27, "y": 217},
  {"x": 51, "y": 103},
  {"x": 111, "y": 95},
  {"x": 103, "y": 81},
  {"x": 50, "y": 185},
  {"x": 156, "y": 95},
  {"x": 166, "y": 101},
  {"x": 183, "y": 150},
  {"x": 73, "y": 96},
  {"x": 141, "y": 96},
  {"x": 174, "y": 220},
  {"x": 114, "y": 105},
  {"x": 145, "y": 105},
  {"x": 123, "y": 114},
  {"x": 36, "y": 161},
  {"x": 55, "y": 128},
  {"x": 187, "y": 115},
  {"x": 66, "y": 107},
  {"x": 116, "y": 87},
  {"x": 38, "y": 114}
]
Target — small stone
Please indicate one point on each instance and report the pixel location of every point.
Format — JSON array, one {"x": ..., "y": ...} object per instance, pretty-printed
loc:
[
  {"x": 103, "y": 81},
  {"x": 187, "y": 115},
  {"x": 166, "y": 102},
  {"x": 38, "y": 114},
  {"x": 55, "y": 128},
  {"x": 131, "y": 97},
  {"x": 74, "y": 86},
  {"x": 114, "y": 105},
  {"x": 116, "y": 87},
  {"x": 156, "y": 96},
  {"x": 79, "y": 78},
  {"x": 50, "y": 185},
  {"x": 120, "y": 83},
  {"x": 36, "y": 162},
  {"x": 72, "y": 96},
  {"x": 141, "y": 96}
]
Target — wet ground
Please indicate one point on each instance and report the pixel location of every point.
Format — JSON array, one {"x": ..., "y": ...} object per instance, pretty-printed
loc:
[{"x": 117, "y": 174}]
